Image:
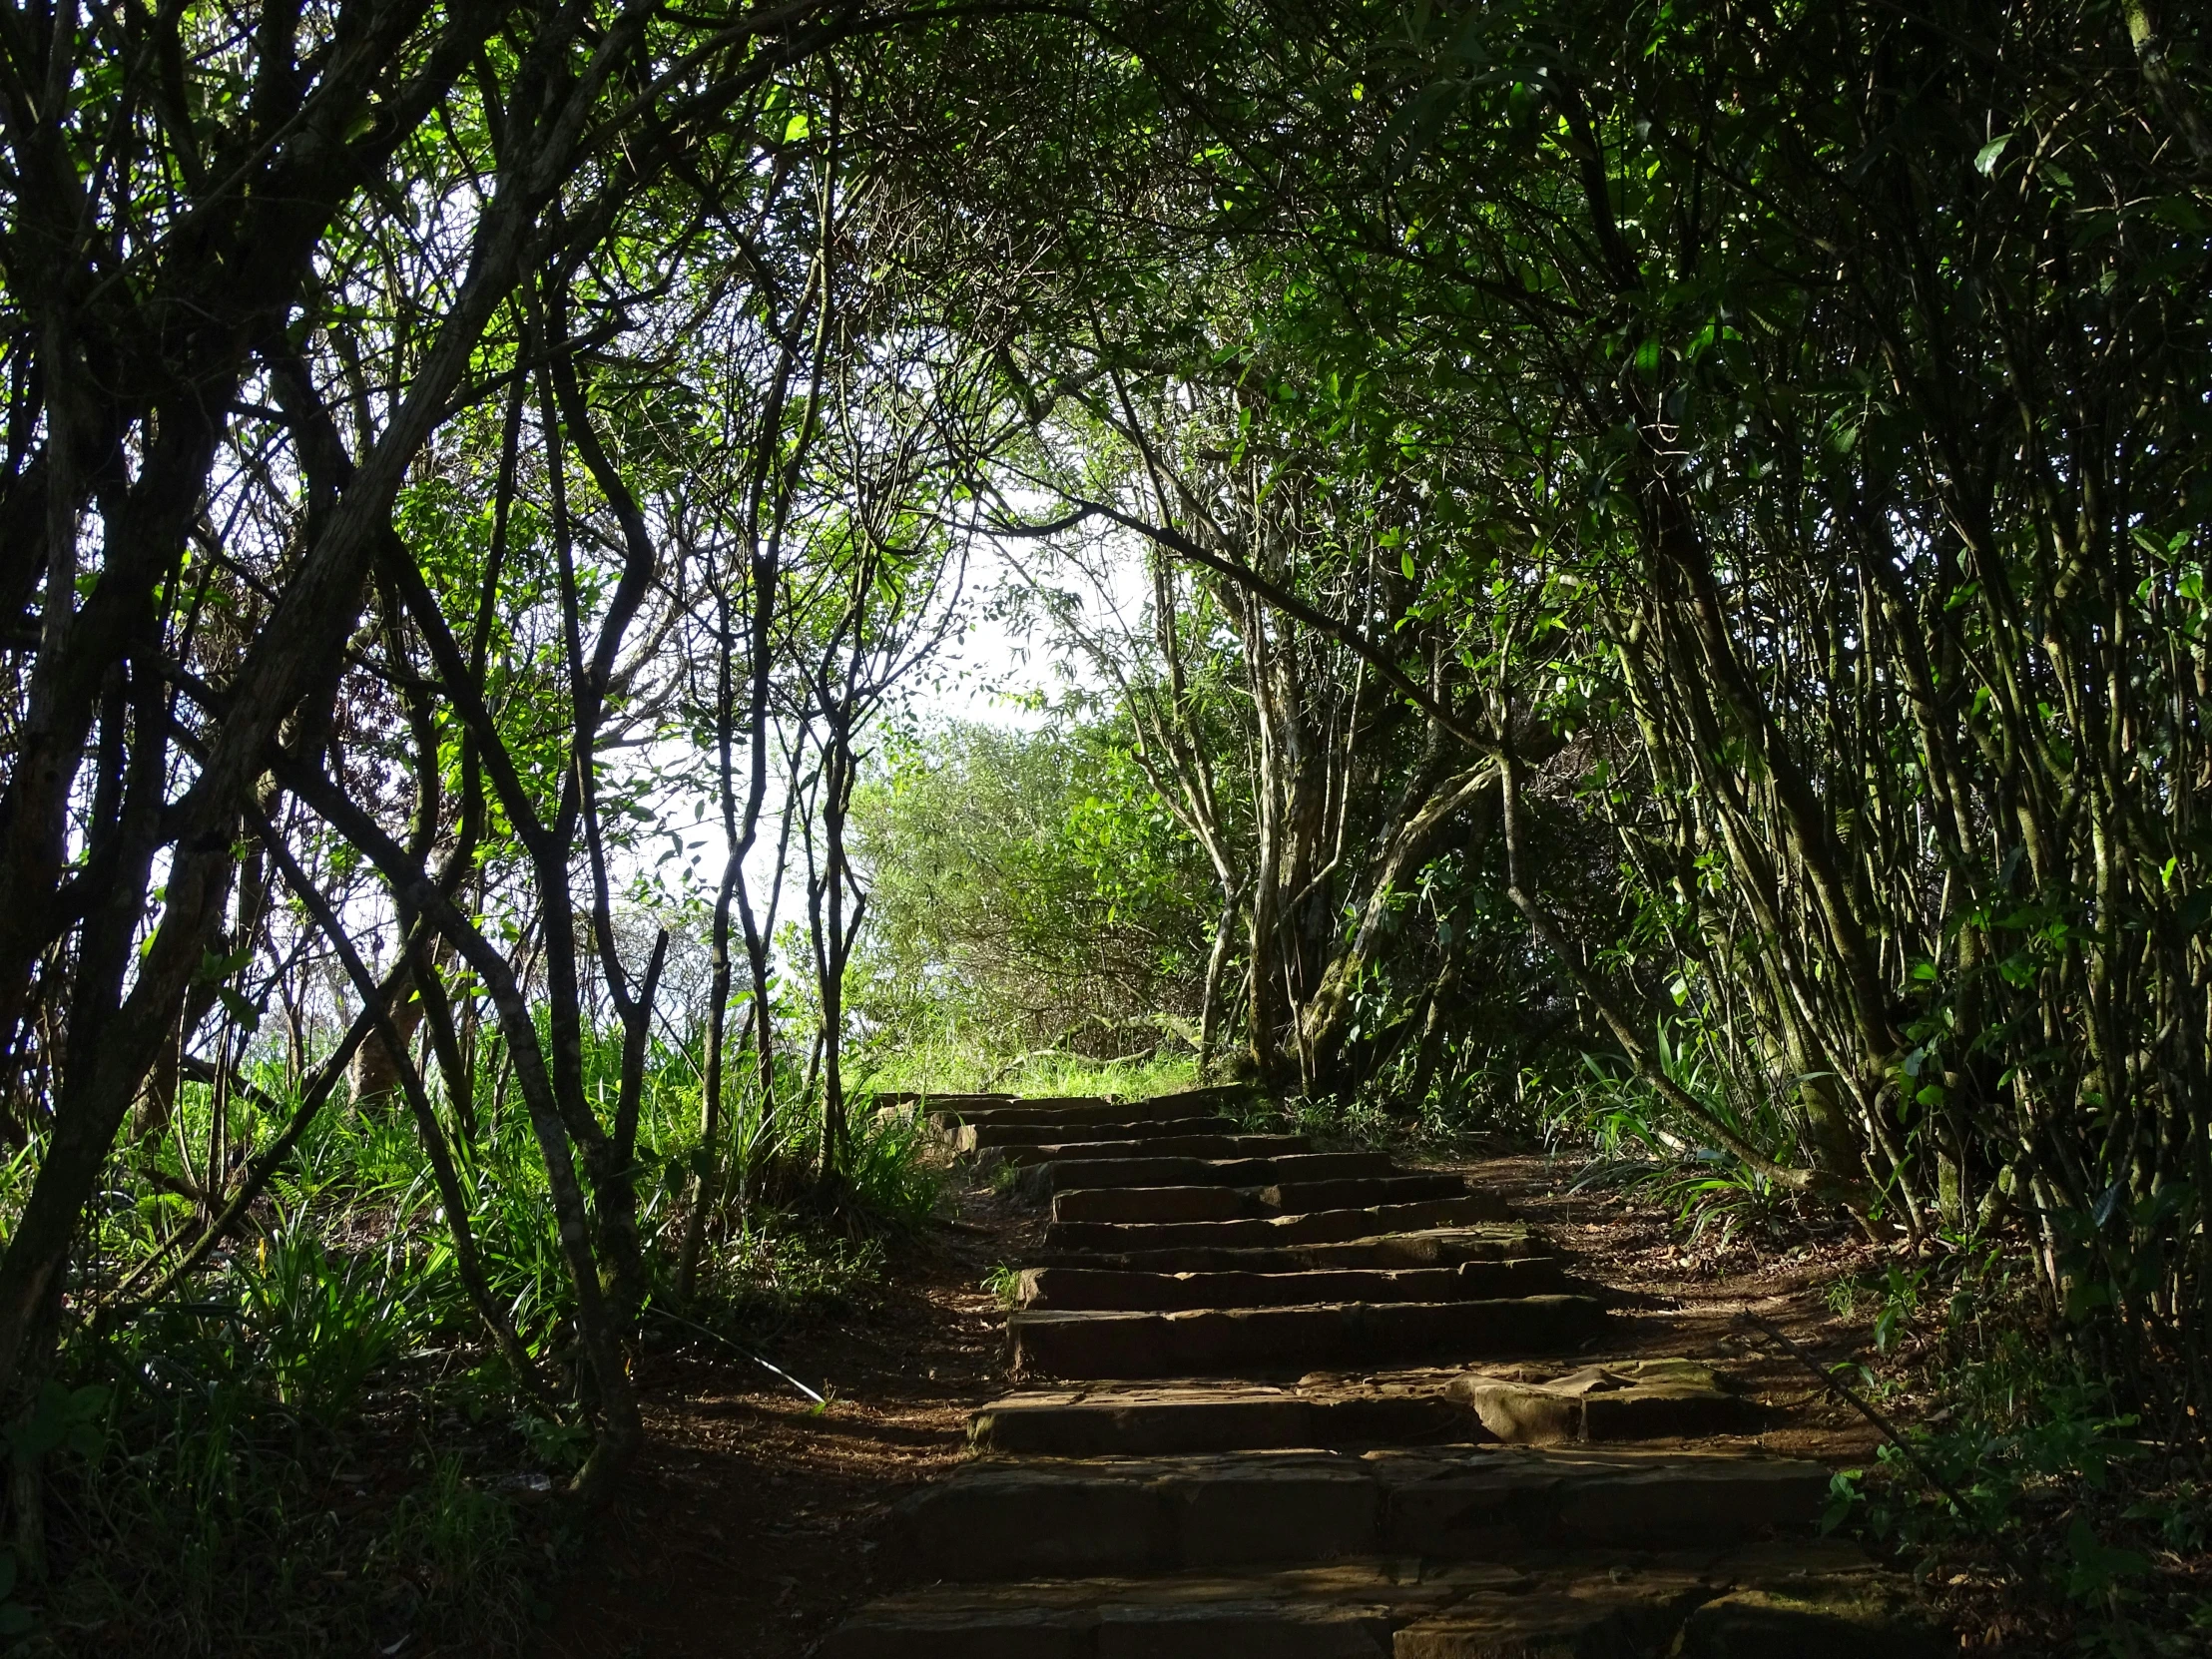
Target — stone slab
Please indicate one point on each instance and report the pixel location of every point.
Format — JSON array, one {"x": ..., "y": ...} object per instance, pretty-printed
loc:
[
  {"x": 1157, "y": 1421},
  {"x": 1422, "y": 1248},
  {"x": 1518, "y": 1496},
  {"x": 1214, "y": 1097},
  {"x": 1157, "y": 1203},
  {"x": 1072, "y": 1109},
  {"x": 1215, "y": 1200},
  {"x": 1072, "y": 1169},
  {"x": 1021, "y": 1136},
  {"x": 1614, "y": 1606},
  {"x": 1300, "y": 1195},
  {"x": 1315, "y": 1227},
  {"x": 1344, "y": 1610},
  {"x": 1245, "y": 1630},
  {"x": 910, "y": 1100},
  {"x": 1143, "y": 1423},
  {"x": 1616, "y": 1400},
  {"x": 1020, "y": 1518},
  {"x": 1204, "y": 1146},
  {"x": 1632, "y": 1618},
  {"x": 1248, "y": 1340},
  {"x": 1076, "y": 1287}
]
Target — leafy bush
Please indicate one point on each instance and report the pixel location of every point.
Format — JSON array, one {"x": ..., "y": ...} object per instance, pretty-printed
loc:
[
  {"x": 322, "y": 1321},
  {"x": 2100, "y": 1525},
  {"x": 1028, "y": 891},
  {"x": 245, "y": 1467}
]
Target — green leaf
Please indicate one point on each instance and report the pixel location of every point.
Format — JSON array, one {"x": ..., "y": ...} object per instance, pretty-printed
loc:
[
  {"x": 1843, "y": 1494},
  {"x": 1406, "y": 562},
  {"x": 241, "y": 1009},
  {"x": 1986, "y": 159},
  {"x": 797, "y": 128},
  {"x": 212, "y": 967},
  {"x": 2096, "y": 1566}
]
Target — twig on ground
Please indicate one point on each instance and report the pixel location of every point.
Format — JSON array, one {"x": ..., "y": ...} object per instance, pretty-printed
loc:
[{"x": 716, "y": 1336}]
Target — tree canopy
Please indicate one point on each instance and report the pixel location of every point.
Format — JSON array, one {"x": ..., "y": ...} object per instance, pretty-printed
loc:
[{"x": 1668, "y": 539}]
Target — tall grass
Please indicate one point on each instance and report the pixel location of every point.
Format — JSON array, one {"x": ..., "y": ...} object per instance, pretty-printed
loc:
[
  {"x": 312, "y": 1445},
  {"x": 1635, "y": 1141},
  {"x": 953, "y": 1067}
]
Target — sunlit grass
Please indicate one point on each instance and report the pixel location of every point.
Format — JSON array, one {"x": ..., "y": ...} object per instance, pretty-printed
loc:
[{"x": 951, "y": 1067}]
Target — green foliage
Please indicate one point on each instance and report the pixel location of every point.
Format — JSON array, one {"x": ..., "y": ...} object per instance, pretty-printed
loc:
[
  {"x": 958, "y": 1066},
  {"x": 759, "y": 1277},
  {"x": 2058, "y": 1481},
  {"x": 236, "y": 1504},
  {"x": 61, "y": 1418},
  {"x": 15, "y": 1618},
  {"x": 458, "y": 1536},
  {"x": 321, "y": 1322},
  {"x": 1641, "y": 1142},
  {"x": 1028, "y": 892},
  {"x": 246, "y": 1470}
]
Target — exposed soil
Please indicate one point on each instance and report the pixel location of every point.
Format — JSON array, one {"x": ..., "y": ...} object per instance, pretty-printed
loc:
[
  {"x": 746, "y": 1528},
  {"x": 749, "y": 1525}
]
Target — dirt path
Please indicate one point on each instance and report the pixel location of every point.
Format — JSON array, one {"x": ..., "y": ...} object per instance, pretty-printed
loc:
[
  {"x": 753, "y": 1524},
  {"x": 748, "y": 1526}
]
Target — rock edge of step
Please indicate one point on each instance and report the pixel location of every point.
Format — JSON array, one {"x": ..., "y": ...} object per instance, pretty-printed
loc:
[
  {"x": 1079, "y": 1518},
  {"x": 1232, "y": 1341},
  {"x": 1809, "y": 1601}
]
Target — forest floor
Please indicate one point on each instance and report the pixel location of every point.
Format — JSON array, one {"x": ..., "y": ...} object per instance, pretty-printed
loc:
[{"x": 750, "y": 1525}]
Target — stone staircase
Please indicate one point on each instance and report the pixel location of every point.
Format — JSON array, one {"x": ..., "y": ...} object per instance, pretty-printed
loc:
[{"x": 1282, "y": 1404}]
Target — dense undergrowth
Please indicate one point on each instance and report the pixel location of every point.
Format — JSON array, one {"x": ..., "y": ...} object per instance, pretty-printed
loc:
[
  {"x": 2050, "y": 1491},
  {"x": 2051, "y": 1504},
  {"x": 312, "y": 1445}
]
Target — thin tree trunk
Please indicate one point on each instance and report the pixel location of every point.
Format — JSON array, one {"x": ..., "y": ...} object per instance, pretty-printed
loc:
[{"x": 1216, "y": 962}]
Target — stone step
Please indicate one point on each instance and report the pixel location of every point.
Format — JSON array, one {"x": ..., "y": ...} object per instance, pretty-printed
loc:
[
  {"x": 1001, "y": 1519},
  {"x": 1242, "y": 1342},
  {"x": 1218, "y": 1203},
  {"x": 1825, "y": 1601},
  {"x": 1115, "y": 1124},
  {"x": 1347, "y": 1610},
  {"x": 1016, "y": 1138},
  {"x": 1146, "y": 1422},
  {"x": 1316, "y": 1227},
  {"x": 1469, "y": 1281},
  {"x": 890, "y": 1100},
  {"x": 1197, "y": 1147},
  {"x": 1620, "y": 1399},
  {"x": 1066, "y": 1172},
  {"x": 1424, "y": 1248},
  {"x": 1219, "y": 1097}
]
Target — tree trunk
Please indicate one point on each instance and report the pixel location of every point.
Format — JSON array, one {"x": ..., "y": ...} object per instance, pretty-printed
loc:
[
  {"x": 1210, "y": 1012},
  {"x": 374, "y": 1078}
]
